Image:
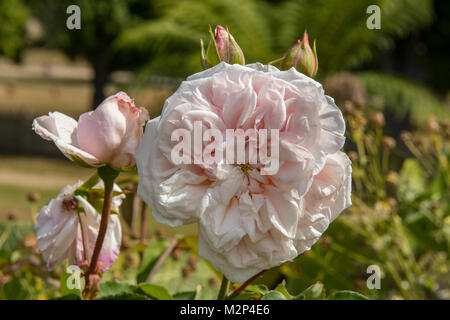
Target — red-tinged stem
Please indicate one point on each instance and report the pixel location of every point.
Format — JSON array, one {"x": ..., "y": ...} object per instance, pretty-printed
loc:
[
  {"x": 162, "y": 258},
  {"x": 108, "y": 176},
  {"x": 143, "y": 222},
  {"x": 238, "y": 290}
]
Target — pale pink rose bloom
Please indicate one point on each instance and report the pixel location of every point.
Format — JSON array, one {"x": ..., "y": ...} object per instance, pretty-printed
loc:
[
  {"x": 249, "y": 222},
  {"x": 58, "y": 230},
  {"x": 108, "y": 135}
]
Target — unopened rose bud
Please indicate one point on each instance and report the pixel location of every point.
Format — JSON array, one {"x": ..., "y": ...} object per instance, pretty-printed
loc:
[
  {"x": 302, "y": 57},
  {"x": 388, "y": 143},
  {"x": 221, "y": 47}
]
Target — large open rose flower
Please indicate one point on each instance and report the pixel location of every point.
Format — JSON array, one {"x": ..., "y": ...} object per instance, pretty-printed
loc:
[
  {"x": 108, "y": 135},
  {"x": 58, "y": 229},
  {"x": 249, "y": 221}
]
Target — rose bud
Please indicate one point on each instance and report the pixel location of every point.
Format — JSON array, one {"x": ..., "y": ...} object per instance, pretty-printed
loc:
[
  {"x": 109, "y": 135},
  {"x": 222, "y": 47},
  {"x": 301, "y": 57}
]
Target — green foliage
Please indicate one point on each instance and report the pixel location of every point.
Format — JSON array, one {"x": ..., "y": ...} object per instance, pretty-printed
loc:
[
  {"x": 313, "y": 292},
  {"x": 172, "y": 40},
  {"x": 273, "y": 295},
  {"x": 400, "y": 96},
  {"x": 347, "y": 295},
  {"x": 340, "y": 27},
  {"x": 151, "y": 255},
  {"x": 13, "y": 15},
  {"x": 113, "y": 290}
]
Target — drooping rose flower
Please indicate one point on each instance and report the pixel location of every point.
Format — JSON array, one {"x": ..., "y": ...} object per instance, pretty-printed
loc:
[
  {"x": 58, "y": 230},
  {"x": 249, "y": 221},
  {"x": 108, "y": 135}
]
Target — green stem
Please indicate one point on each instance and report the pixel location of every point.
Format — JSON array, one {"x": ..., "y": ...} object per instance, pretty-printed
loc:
[
  {"x": 224, "y": 287},
  {"x": 84, "y": 236},
  {"x": 275, "y": 61}
]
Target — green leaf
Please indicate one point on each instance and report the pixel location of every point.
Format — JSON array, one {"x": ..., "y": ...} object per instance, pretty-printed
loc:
[
  {"x": 347, "y": 295},
  {"x": 15, "y": 289},
  {"x": 412, "y": 180},
  {"x": 111, "y": 288},
  {"x": 273, "y": 295},
  {"x": 125, "y": 296},
  {"x": 155, "y": 292},
  {"x": 70, "y": 296},
  {"x": 260, "y": 289},
  {"x": 247, "y": 295},
  {"x": 281, "y": 288},
  {"x": 151, "y": 255},
  {"x": 186, "y": 295},
  {"x": 314, "y": 292}
]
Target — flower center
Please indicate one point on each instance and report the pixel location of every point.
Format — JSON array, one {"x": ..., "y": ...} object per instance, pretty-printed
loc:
[{"x": 245, "y": 167}]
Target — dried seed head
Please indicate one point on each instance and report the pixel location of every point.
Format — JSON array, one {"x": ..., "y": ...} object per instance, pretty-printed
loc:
[
  {"x": 33, "y": 196},
  {"x": 388, "y": 143},
  {"x": 192, "y": 261},
  {"x": 160, "y": 233},
  {"x": 353, "y": 156},
  {"x": 432, "y": 125},
  {"x": 186, "y": 271},
  {"x": 177, "y": 253},
  {"x": 406, "y": 136},
  {"x": 393, "y": 178},
  {"x": 377, "y": 119},
  {"x": 213, "y": 281}
]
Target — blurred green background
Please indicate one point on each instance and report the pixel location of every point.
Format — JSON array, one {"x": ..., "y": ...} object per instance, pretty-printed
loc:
[{"x": 390, "y": 83}]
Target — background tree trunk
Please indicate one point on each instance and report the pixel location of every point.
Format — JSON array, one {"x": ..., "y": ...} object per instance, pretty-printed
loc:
[{"x": 101, "y": 77}]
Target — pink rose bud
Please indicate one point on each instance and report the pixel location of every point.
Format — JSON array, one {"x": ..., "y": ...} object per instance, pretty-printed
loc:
[
  {"x": 113, "y": 131},
  {"x": 301, "y": 57},
  {"x": 222, "y": 47},
  {"x": 107, "y": 136}
]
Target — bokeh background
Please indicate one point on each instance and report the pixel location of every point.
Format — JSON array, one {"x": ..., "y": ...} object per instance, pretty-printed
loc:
[{"x": 392, "y": 85}]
